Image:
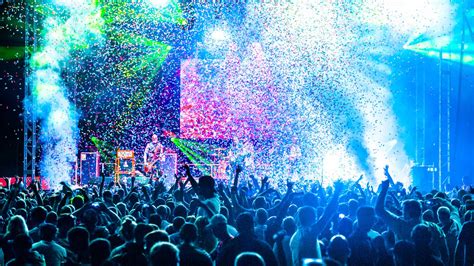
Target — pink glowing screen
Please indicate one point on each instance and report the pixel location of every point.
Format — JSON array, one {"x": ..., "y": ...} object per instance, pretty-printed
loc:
[{"x": 227, "y": 97}]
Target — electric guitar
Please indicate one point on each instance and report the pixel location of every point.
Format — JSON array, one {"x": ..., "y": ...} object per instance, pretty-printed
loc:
[{"x": 150, "y": 166}]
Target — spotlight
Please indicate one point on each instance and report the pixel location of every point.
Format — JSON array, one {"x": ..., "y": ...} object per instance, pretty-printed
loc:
[
  {"x": 159, "y": 3},
  {"x": 219, "y": 35}
]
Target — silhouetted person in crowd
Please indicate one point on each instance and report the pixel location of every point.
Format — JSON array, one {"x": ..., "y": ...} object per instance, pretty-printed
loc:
[
  {"x": 100, "y": 251},
  {"x": 261, "y": 216},
  {"x": 338, "y": 250},
  {"x": 464, "y": 254},
  {"x": 249, "y": 258},
  {"x": 53, "y": 253},
  {"x": 362, "y": 250},
  {"x": 164, "y": 254},
  {"x": 218, "y": 226},
  {"x": 189, "y": 254},
  {"x": 155, "y": 237},
  {"x": 127, "y": 233},
  {"x": 65, "y": 223},
  {"x": 404, "y": 253},
  {"x": 24, "y": 255},
  {"x": 282, "y": 241},
  {"x": 16, "y": 226},
  {"x": 208, "y": 202},
  {"x": 402, "y": 226},
  {"x": 37, "y": 217},
  {"x": 304, "y": 243},
  {"x": 245, "y": 241},
  {"x": 451, "y": 227},
  {"x": 424, "y": 255},
  {"x": 177, "y": 223},
  {"x": 382, "y": 256},
  {"x": 78, "y": 252},
  {"x": 132, "y": 251}
]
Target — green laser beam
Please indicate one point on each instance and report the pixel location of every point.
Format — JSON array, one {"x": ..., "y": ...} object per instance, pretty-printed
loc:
[{"x": 190, "y": 156}]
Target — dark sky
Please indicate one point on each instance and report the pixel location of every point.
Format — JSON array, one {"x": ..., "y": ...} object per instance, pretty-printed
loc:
[{"x": 11, "y": 88}]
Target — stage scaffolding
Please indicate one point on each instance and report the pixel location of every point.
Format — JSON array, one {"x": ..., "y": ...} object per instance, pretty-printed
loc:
[
  {"x": 30, "y": 126},
  {"x": 447, "y": 91},
  {"x": 434, "y": 140},
  {"x": 444, "y": 119}
]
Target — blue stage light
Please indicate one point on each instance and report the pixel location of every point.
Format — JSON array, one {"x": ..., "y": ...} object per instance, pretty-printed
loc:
[
  {"x": 219, "y": 35},
  {"x": 159, "y": 3}
]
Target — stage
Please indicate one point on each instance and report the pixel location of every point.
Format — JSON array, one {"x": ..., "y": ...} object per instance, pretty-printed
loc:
[{"x": 297, "y": 90}]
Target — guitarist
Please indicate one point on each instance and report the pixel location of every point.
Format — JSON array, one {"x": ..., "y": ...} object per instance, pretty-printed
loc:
[{"x": 153, "y": 155}]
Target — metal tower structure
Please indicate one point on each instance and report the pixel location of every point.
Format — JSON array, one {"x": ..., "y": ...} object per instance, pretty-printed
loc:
[
  {"x": 29, "y": 116},
  {"x": 420, "y": 114},
  {"x": 445, "y": 96},
  {"x": 444, "y": 118}
]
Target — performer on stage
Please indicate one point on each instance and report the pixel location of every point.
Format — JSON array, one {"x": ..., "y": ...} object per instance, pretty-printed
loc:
[{"x": 152, "y": 157}]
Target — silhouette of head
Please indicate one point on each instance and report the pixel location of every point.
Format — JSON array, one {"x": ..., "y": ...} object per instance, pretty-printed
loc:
[
  {"x": 245, "y": 223},
  {"x": 164, "y": 254},
  {"x": 306, "y": 216},
  {"x": 99, "y": 250},
  {"x": 421, "y": 235},
  {"x": 404, "y": 253},
  {"x": 22, "y": 244},
  {"x": 338, "y": 249},
  {"x": 411, "y": 209},
  {"x": 365, "y": 218},
  {"x": 249, "y": 258},
  {"x": 47, "y": 232},
  {"x": 188, "y": 233}
]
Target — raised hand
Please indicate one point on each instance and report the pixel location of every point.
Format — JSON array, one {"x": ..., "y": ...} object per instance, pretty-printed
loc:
[
  {"x": 20, "y": 180},
  {"x": 187, "y": 169},
  {"x": 220, "y": 187},
  {"x": 233, "y": 190},
  {"x": 238, "y": 169},
  {"x": 385, "y": 170},
  {"x": 7, "y": 180},
  {"x": 181, "y": 185},
  {"x": 385, "y": 184},
  {"x": 289, "y": 185}
]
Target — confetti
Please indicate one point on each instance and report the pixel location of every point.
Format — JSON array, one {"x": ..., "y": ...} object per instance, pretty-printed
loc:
[{"x": 314, "y": 71}]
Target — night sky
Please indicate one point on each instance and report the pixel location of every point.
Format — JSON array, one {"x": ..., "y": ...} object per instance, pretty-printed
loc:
[{"x": 11, "y": 89}]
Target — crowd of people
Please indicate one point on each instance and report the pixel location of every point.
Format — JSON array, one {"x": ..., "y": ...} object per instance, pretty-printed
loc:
[{"x": 199, "y": 222}]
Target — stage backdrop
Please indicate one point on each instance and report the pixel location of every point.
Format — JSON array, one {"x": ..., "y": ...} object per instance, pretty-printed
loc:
[{"x": 216, "y": 103}]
